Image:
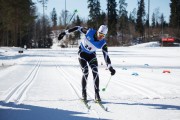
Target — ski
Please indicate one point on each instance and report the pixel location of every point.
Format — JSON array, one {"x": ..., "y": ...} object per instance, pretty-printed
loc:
[
  {"x": 86, "y": 104},
  {"x": 101, "y": 105}
]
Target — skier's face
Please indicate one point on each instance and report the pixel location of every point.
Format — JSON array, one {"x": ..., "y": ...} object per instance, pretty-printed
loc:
[{"x": 100, "y": 36}]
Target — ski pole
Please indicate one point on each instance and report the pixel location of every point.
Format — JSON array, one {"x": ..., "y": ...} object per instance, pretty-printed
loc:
[
  {"x": 75, "y": 11},
  {"x": 107, "y": 84}
]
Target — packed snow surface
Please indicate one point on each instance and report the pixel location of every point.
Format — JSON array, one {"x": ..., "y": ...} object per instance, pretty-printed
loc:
[{"x": 45, "y": 84}]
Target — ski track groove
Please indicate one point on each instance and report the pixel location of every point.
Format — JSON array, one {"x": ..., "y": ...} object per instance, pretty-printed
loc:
[
  {"x": 160, "y": 81},
  {"x": 17, "y": 93},
  {"x": 148, "y": 78},
  {"x": 146, "y": 92},
  {"x": 75, "y": 89},
  {"x": 91, "y": 93},
  {"x": 75, "y": 67},
  {"x": 78, "y": 68},
  {"x": 148, "y": 71},
  {"x": 148, "y": 68},
  {"x": 72, "y": 61}
]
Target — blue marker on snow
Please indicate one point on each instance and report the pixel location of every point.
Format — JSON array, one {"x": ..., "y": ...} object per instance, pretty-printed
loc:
[{"x": 135, "y": 74}]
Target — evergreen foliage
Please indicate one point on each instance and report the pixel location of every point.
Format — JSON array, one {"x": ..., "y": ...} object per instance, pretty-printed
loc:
[
  {"x": 54, "y": 17},
  {"x": 94, "y": 13},
  {"x": 123, "y": 19},
  {"x": 175, "y": 16},
  {"x": 20, "y": 25},
  {"x": 77, "y": 35},
  {"x": 112, "y": 21},
  {"x": 16, "y": 18},
  {"x": 174, "y": 13},
  {"x": 140, "y": 18}
]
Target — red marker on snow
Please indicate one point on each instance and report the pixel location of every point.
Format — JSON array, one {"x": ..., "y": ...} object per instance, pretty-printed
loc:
[{"x": 166, "y": 71}]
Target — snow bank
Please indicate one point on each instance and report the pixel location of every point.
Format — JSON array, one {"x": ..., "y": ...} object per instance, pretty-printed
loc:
[
  {"x": 149, "y": 44},
  {"x": 9, "y": 56}
]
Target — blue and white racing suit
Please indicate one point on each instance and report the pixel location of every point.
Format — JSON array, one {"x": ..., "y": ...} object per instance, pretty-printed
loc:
[{"x": 87, "y": 55}]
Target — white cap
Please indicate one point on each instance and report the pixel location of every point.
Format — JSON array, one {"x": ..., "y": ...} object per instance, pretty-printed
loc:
[{"x": 103, "y": 29}]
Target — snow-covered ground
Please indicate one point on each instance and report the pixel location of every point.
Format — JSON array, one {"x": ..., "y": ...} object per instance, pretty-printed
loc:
[{"x": 45, "y": 84}]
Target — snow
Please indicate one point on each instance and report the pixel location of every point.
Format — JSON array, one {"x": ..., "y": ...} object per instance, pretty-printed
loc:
[
  {"x": 148, "y": 44},
  {"x": 46, "y": 84}
]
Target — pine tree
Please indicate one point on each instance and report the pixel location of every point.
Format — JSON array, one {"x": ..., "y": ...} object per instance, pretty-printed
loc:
[
  {"x": 132, "y": 16},
  {"x": 54, "y": 17},
  {"x": 123, "y": 18},
  {"x": 112, "y": 21},
  {"x": 140, "y": 18},
  {"x": 94, "y": 13},
  {"x": 153, "y": 20},
  {"x": 16, "y": 18},
  {"x": 102, "y": 19},
  {"x": 122, "y": 8},
  {"x": 157, "y": 16},
  {"x": 77, "y": 22},
  {"x": 178, "y": 17},
  {"x": 132, "y": 23},
  {"x": 175, "y": 15},
  {"x": 162, "y": 21}
]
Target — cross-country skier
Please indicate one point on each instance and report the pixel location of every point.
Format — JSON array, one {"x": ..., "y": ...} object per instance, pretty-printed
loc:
[{"x": 94, "y": 39}]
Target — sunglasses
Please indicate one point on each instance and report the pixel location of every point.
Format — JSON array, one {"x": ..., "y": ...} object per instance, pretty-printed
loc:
[{"x": 101, "y": 34}]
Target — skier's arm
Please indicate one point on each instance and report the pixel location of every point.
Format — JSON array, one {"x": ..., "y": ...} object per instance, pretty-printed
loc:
[
  {"x": 106, "y": 56},
  {"x": 107, "y": 59},
  {"x": 81, "y": 29}
]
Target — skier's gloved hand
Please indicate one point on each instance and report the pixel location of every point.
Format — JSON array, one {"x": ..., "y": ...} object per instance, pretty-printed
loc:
[
  {"x": 112, "y": 70},
  {"x": 61, "y": 35}
]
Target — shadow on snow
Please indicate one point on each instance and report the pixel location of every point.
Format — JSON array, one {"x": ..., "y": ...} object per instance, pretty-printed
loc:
[
  {"x": 155, "y": 106},
  {"x": 13, "y": 111}
]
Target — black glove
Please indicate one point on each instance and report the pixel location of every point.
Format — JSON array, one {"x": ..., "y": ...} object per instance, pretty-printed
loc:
[
  {"x": 112, "y": 70},
  {"x": 61, "y": 35}
]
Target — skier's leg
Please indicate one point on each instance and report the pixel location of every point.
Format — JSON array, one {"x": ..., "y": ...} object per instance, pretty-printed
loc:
[
  {"x": 84, "y": 68},
  {"x": 94, "y": 66}
]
